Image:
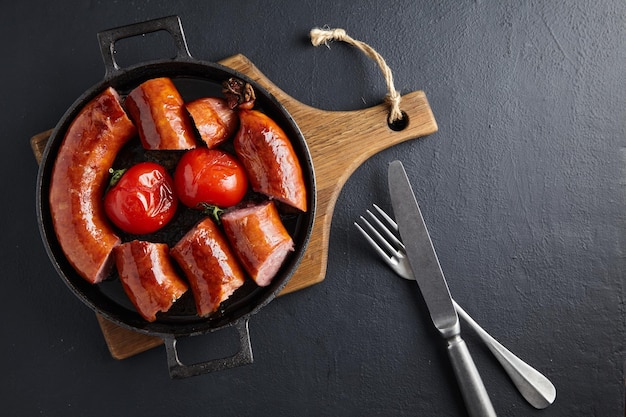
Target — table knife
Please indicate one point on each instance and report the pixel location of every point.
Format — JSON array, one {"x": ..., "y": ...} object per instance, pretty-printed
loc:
[{"x": 434, "y": 288}]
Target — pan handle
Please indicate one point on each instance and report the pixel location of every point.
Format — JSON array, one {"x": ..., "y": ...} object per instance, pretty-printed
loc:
[
  {"x": 107, "y": 39},
  {"x": 178, "y": 370}
]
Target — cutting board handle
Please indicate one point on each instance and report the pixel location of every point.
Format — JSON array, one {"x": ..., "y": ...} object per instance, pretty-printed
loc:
[{"x": 339, "y": 142}]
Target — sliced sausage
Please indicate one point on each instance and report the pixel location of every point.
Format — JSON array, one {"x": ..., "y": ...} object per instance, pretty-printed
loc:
[
  {"x": 148, "y": 277},
  {"x": 158, "y": 109},
  {"x": 259, "y": 239},
  {"x": 214, "y": 120},
  {"x": 270, "y": 161},
  {"x": 79, "y": 178},
  {"x": 209, "y": 265}
]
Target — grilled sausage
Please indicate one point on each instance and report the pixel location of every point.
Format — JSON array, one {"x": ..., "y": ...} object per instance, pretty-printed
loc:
[
  {"x": 259, "y": 239},
  {"x": 79, "y": 178},
  {"x": 209, "y": 265},
  {"x": 159, "y": 113},
  {"x": 214, "y": 120},
  {"x": 270, "y": 161},
  {"x": 148, "y": 277}
]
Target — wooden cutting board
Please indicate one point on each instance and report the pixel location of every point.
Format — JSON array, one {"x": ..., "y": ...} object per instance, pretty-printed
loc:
[{"x": 339, "y": 142}]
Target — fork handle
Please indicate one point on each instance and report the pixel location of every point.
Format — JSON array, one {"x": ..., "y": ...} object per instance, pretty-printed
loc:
[
  {"x": 472, "y": 388},
  {"x": 532, "y": 384}
]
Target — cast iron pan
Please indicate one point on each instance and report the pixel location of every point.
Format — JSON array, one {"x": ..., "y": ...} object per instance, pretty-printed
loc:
[{"x": 194, "y": 79}]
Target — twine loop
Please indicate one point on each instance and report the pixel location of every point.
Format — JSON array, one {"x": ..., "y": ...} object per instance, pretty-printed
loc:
[{"x": 321, "y": 36}]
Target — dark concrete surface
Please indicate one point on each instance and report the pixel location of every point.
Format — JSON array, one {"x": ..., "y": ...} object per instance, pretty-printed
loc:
[{"x": 522, "y": 188}]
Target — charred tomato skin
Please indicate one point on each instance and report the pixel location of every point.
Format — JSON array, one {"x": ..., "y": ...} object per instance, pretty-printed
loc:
[{"x": 143, "y": 200}]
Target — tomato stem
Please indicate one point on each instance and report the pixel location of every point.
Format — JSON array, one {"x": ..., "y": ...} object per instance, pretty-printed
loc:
[
  {"x": 213, "y": 211},
  {"x": 116, "y": 174}
]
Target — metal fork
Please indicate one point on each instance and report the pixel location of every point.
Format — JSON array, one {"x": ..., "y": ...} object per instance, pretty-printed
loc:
[{"x": 533, "y": 385}]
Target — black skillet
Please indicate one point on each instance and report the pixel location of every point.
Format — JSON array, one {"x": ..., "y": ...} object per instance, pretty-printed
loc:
[{"x": 194, "y": 79}]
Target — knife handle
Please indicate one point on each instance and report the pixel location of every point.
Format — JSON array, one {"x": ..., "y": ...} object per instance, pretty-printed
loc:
[{"x": 472, "y": 388}]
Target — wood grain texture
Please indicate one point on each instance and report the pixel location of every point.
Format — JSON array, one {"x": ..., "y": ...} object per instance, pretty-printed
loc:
[
  {"x": 124, "y": 343},
  {"x": 339, "y": 142}
]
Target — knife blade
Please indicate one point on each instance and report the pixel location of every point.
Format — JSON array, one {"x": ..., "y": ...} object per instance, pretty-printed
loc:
[{"x": 434, "y": 288}]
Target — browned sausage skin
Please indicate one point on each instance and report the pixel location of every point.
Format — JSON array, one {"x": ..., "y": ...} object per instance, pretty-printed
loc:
[
  {"x": 209, "y": 265},
  {"x": 270, "y": 161},
  {"x": 259, "y": 239},
  {"x": 79, "y": 178},
  {"x": 214, "y": 120},
  {"x": 148, "y": 277},
  {"x": 157, "y": 109}
]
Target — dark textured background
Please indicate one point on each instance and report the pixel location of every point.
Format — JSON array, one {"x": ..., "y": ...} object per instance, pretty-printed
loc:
[{"x": 522, "y": 189}]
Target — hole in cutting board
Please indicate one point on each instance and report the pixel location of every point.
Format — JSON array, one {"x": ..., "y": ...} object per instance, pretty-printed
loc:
[{"x": 400, "y": 124}]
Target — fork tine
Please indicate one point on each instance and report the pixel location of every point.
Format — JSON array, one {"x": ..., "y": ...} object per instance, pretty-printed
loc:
[
  {"x": 380, "y": 239},
  {"x": 390, "y": 236},
  {"x": 387, "y": 218},
  {"x": 371, "y": 241},
  {"x": 384, "y": 241}
]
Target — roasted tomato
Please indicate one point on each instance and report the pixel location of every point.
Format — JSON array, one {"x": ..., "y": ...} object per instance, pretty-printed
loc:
[
  {"x": 209, "y": 176},
  {"x": 142, "y": 200}
]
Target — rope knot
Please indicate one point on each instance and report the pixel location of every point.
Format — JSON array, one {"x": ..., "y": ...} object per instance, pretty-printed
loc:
[
  {"x": 393, "y": 99},
  {"x": 323, "y": 36}
]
